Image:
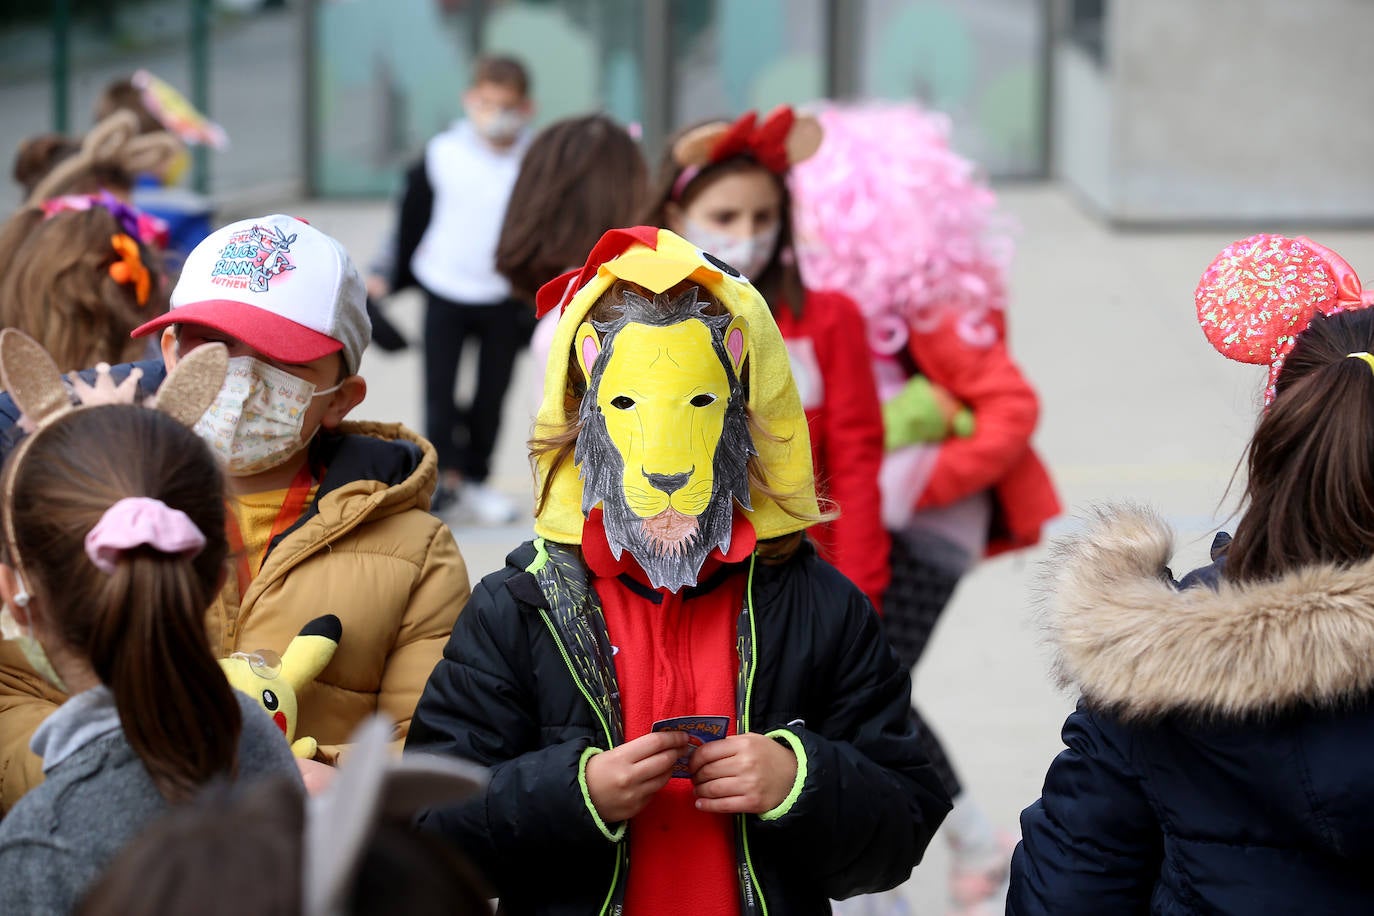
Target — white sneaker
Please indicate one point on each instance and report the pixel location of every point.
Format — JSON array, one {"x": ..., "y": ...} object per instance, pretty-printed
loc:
[{"x": 488, "y": 506}]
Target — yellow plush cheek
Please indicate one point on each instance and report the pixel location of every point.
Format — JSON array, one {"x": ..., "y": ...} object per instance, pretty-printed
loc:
[
  {"x": 664, "y": 396},
  {"x": 274, "y": 695}
]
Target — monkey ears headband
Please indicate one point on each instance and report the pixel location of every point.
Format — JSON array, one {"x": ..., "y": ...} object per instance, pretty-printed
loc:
[
  {"x": 1260, "y": 293},
  {"x": 779, "y": 141},
  {"x": 114, "y": 141},
  {"x": 373, "y": 782},
  {"x": 35, "y": 384}
]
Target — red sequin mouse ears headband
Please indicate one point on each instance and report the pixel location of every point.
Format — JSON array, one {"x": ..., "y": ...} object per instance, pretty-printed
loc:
[
  {"x": 782, "y": 139},
  {"x": 1260, "y": 293}
]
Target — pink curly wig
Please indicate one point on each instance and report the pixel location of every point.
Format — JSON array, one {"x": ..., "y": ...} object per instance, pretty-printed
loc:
[{"x": 887, "y": 212}]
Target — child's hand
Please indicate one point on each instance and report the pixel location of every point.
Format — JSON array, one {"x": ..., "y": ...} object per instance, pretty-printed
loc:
[
  {"x": 946, "y": 403},
  {"x": 377, "y": 286},
  {"x": 742, "y": 774},
  {"x": 316, "y": 776},
  {"x": 622, "y": 780}
]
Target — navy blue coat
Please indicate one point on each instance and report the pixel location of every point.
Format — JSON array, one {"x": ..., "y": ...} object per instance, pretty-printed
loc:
[{"x": 1221, "y": 759}]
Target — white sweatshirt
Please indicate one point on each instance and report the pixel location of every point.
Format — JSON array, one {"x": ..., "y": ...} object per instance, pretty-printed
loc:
[{"x": 472, "y": 182}]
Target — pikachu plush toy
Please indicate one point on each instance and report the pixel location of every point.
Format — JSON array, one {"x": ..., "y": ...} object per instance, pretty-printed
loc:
[{"x": 274, "y": 681}]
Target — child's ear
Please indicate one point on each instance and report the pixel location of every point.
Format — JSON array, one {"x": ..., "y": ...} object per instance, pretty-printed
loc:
[
  {"x": 168, "y": 344},
  {"x": 351, "y": 392}
]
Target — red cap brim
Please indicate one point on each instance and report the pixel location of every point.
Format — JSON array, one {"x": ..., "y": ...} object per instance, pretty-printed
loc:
[{"x": 270, "y": 334}]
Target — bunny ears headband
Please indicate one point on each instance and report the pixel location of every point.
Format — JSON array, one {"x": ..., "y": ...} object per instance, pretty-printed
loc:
[
  {"x": 33, "y": 381},
  {"x": 114, "y": 141},
  {"x": 372, "y": 783},
  {"x": 779, "y": 141},
  {"x": 1260, "y": 293}
]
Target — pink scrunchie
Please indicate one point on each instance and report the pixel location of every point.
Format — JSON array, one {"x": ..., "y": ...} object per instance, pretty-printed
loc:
[{"x": 140, "y": 520}]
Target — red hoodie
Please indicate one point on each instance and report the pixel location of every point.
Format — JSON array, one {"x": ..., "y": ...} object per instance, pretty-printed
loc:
[{"x": 675, "y": 655}]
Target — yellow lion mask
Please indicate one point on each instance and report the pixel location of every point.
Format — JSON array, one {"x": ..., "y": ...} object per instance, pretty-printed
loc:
[
  {"x": 665, "y": 441},
  {"x": 659, "y": 369}
]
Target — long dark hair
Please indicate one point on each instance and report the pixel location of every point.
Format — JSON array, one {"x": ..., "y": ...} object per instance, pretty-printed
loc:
[
  {"x": 780, "y": 281},
  {"x": 580, "y": 177},
  {"x": 142, "y": 627},
  {"x": 1310, "y": 494}
]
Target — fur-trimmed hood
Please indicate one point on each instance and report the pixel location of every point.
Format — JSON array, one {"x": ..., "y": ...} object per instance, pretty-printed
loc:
[{"x": 1135, "y": 644}]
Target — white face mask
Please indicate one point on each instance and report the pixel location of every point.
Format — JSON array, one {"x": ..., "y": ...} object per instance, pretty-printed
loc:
[
  {"x": 748, "y": 254},
  {"x": 23, "y": 637},
  {"x": 499, "y": 126},
  {"x": 255, "y": 422}
]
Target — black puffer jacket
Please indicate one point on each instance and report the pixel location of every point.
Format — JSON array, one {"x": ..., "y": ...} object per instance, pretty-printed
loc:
[{"x": 504, "y": 695}]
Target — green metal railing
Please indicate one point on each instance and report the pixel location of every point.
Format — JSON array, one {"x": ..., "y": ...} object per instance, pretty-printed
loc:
[{"x": 200, "y": 75}]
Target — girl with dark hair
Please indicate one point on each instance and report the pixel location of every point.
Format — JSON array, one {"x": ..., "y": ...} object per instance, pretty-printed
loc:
[
  {"x": 723, "y": 187},
  {"x": 579, "y": 178},
  {"x": 113, "y": 547},
  {"x": 1219, "y": 759}
]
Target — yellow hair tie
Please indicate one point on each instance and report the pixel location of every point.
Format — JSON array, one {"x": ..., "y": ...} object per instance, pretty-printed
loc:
[
  {"x": 1367, "y": 357},
  {"x": 130, "y": 268}
]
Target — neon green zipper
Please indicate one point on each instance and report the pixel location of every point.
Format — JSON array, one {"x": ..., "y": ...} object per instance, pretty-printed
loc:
[
  {"x": 610, "y": 741},
  {"x": 744, "y": 727}
]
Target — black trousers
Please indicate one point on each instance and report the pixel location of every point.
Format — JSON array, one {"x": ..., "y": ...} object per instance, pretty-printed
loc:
[
  {"x": 915, "y": 598},
  {"x": 465, "y": 437}
]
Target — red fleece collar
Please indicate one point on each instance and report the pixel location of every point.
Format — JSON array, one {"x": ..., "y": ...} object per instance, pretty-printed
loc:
[{"x": 596, "y": 550}]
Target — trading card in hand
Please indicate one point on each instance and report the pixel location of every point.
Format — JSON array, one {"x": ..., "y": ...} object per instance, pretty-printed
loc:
[{"x": 699, "y": 729}]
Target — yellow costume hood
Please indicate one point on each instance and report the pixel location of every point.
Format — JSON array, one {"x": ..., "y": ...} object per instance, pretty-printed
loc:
[{"x": 657, "y": 260}]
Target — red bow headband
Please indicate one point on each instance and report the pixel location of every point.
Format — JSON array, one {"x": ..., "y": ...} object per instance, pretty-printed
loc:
[
  {"x": 779, "y": 141},
  {"x": 1260, "y": 293}
]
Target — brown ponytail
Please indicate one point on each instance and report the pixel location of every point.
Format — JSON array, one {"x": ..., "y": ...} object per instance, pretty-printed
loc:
[
  {"x": 142, "y": 628},
  {"x": 1309, "y": 497}
]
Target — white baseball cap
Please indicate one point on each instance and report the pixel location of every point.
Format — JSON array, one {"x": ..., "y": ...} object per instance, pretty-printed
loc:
[{"x": 277, "y": 284}]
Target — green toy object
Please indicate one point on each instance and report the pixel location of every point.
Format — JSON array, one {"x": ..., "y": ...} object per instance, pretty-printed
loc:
[
  {"x": 274, "y": 681},
  {"x": 913, "y": 416}
]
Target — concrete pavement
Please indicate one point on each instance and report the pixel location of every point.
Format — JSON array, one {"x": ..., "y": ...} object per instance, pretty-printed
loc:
[{"x": 1135, "y": 406}]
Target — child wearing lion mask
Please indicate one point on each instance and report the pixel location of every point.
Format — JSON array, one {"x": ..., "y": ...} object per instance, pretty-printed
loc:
[{"x": 683, "y": 707}]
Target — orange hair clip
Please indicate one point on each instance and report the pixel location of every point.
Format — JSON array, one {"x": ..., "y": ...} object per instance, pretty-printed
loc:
[{"x": 129, "y": 269}]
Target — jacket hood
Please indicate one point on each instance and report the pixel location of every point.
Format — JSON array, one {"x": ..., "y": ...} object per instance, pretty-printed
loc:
[
  {"x": 372, "y": 469},
  {"x": 1134, "y": 643},
  {"x": 657, "y": 260}
]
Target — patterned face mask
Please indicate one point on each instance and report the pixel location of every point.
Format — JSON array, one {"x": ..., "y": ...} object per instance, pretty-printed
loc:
[{"x": 256, "y": 420}]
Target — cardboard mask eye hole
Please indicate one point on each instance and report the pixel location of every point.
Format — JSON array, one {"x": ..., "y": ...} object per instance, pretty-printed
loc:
[
  {"x": 622, "y": 403},
  {"x": 703, "y": 400}
]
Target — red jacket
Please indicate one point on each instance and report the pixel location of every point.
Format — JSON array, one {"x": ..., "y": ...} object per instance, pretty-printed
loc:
[
  {"x": 998, "y": 456},
  {"x": 830, "y": 362}
]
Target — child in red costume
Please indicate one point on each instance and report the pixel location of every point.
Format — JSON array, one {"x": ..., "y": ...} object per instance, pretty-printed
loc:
[
  {"x": 886, "y": 210},
  {"x": 723, "y": 187},
  {"x": 683, "y": 708}
]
